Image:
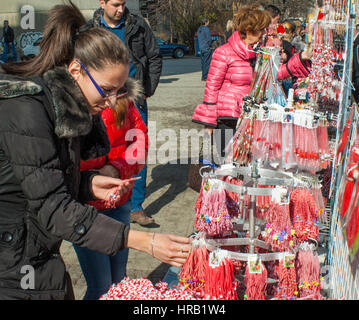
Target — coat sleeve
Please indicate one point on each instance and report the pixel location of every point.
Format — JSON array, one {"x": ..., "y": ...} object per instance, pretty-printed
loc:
[
  {"x": 29, "y": 144},
  {"x": 295, "y": 67},
  {"x": 130, "y": 157},
  {"x": 206, "y": 112},
  {"x": 154, "y": 59}
]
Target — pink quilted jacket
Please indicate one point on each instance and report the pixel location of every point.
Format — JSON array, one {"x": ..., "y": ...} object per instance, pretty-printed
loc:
[{"x": 229, "y": 79}]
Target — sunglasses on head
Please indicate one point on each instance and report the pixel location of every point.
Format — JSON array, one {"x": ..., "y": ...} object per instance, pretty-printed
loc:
[{"x": 122, "y": 92}]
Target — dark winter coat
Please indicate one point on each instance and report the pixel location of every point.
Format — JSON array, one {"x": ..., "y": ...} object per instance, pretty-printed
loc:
[
  {"x": 144, "y": 50},
  {"x": 8, "y": 35},
  {"x": 45, "y": 129}
]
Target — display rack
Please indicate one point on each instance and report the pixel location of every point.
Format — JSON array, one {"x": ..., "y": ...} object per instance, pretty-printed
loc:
[
  {"x": 252, "y": 176},
  {"x": 343, "y": 278}
]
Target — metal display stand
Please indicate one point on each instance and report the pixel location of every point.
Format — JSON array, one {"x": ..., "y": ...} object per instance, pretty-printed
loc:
[
  {"x": 252, "y": 176},
  {"x": 344, "y": 280}
]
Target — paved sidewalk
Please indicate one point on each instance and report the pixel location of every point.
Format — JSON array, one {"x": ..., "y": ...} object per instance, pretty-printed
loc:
[{"x": 169, "y": 200}]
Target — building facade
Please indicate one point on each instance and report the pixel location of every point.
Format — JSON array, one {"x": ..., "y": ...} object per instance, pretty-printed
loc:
[{"x": 28, "y": 18}]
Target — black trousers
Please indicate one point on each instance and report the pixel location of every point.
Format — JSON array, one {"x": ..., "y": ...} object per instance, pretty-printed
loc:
[{"x": 221, "y": 138}]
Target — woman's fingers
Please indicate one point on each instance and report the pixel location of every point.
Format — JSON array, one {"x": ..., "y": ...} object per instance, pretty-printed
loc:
[
  {"x": 180, "y": 239},
  {"x": 171, "y": 249}
]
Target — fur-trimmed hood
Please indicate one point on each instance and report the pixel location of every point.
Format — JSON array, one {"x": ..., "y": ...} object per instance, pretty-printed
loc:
[{"x": 71, "y": 112}]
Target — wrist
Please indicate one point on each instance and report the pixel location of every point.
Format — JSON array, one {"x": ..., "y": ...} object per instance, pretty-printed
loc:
[{"x": 141, "y": 241}]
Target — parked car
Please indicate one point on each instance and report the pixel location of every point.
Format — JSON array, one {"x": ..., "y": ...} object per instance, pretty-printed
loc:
[{"x": 175, "y": 50}]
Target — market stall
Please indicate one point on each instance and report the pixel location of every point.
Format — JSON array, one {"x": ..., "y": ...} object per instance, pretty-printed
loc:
[{"x": 287, "y": 188}]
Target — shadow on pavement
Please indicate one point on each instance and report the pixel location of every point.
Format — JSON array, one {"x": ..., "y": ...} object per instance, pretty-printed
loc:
[
  {"x": 175, "y": 176},
  {"x": 159, "y": 273},
  {"x": 169, "y": 80}
]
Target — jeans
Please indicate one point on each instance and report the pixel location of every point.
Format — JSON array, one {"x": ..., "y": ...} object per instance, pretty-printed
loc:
[
  {"x": 6, "y": 51},
  {"x": 100, "y": 270},
  {"x": 139, "y": 189},
  {"x": 206, "y": 57}
]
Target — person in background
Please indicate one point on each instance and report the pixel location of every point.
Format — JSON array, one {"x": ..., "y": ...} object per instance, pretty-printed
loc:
[
  {"x": 272, "y": 38},
  {"x": 274, "y": 12},
  {"x": 125, "y": 159},
  {"x": 9, "y": 42},
  {"x": 290, "y": 29},
  {"x": 205, "y": 46},
  {"x": 286, "y": 53},
  {"x": 297, "y": 41},
  {"x": 145, "y": 66},
  {"x": 231, "y": 72},
  {"x": 49, "y": 122},
  {"x": 229, "y": 29}
]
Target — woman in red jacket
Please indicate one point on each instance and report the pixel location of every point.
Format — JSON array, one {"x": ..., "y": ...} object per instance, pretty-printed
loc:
[
  {"x": 231, "y": 72},
  {"x": 129, "y": 145}
]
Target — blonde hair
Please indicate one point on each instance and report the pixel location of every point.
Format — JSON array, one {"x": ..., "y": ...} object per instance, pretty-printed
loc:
[
  {"x": 251, "y": 18},
  {"x": 229, "y": 25}
]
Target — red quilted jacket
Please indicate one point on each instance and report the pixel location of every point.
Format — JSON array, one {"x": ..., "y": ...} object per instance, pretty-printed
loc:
[
  {"x": 124, "y": 150},
  {"x": 229, "y": 79}
]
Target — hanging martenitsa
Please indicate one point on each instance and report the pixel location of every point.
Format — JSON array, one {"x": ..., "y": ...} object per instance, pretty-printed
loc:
[
  {"x": 349, "y": 202},
  {"x": 280, "y": 138}
]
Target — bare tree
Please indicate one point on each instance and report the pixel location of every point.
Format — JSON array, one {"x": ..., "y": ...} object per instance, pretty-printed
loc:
[{"x": 183, "y": 17}]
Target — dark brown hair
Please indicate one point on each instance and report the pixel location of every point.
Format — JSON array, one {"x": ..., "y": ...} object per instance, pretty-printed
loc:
[
  {"x": 251, "y": 18},
  {"x": 66, "y": 37}
]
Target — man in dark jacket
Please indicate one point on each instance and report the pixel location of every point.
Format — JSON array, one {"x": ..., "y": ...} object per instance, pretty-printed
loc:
[
  {"x": 205, "y": 46},
  {"x": 8, "y": 38},
  {"x": 146, "y": 66}
]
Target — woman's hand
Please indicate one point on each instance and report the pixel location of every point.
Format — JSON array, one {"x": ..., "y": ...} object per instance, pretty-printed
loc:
[
  {"x": 109, "y": 171},
  {"x": 168, "y": 248},
  {"x": 307, "y": 53},
  {"x": 103, "y": 187}
]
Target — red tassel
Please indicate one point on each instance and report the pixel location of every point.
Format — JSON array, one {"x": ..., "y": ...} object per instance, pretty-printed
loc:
[
  {"x": 347, "y": 195},
  {"x": 352, "y": 228},
  {"x": 320, "y": 15},
  {"x": 220, "y": 283},
  {"x": 308, "y": 273},
  {"x": 287, "y": 285},
  {"x": 256, "y": 284},
  {"x": 280, "y": 29},
  {"x": 193, "y": 271}
]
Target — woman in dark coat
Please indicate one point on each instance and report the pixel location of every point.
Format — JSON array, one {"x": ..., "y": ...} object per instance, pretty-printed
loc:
[{"x": 49, "y": 122}]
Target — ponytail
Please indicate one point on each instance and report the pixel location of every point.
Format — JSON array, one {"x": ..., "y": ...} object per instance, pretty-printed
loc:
[
  {"x": 120, "y": 111},
  {"x": 65, "y": 37}
]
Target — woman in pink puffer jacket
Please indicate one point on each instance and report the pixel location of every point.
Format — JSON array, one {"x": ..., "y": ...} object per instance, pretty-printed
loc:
[{"x": 231, "y": 72}]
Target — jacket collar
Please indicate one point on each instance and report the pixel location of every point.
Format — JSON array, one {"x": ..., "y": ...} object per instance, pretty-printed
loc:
[
  {"x": 240, "y": 47},
  {"x": 99, "y": 12},
  {"x": 68, "y": 109},
  {"x": 72, "y": 115}
]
